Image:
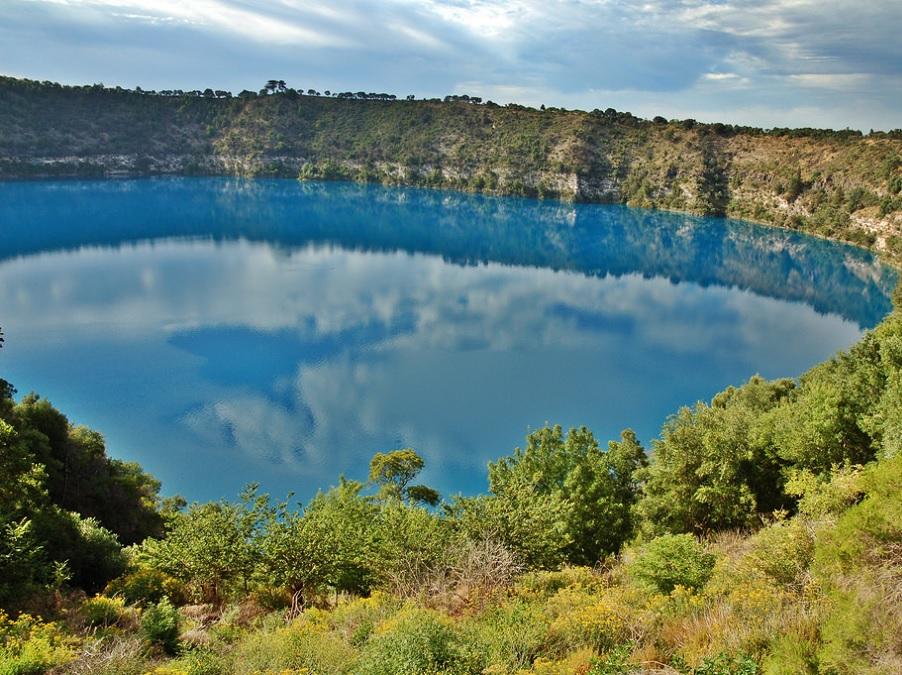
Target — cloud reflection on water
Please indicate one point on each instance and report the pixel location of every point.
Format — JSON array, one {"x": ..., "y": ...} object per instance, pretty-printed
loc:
[{"x": 292, "y": 365}]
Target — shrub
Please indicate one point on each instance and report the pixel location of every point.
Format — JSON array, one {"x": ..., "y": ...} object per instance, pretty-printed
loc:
[
  {"x": 614, "y": 662},
  {"x": 414, "y": 642},
  {"x": 577, "y": 662},
  {"x": 160, "y": 626},
  {"x": 146, "y": 586},
  {"x": 93, "y": 553},
  {"x": 790, "y": 655},
  {"x": 586, "y": 621},
  {"x": 29, "y": 646},
  {"x": 197, "y": 662},
  {"x": 546, "y": 584},
  {"x": 104, "y": 611},
  {"x": 303, "y": 646},
  {"x": 724, "y": 664},
  {"x": 857, "y": 562},
  {"x": 673, "y": 560},
  {"x": 21, "y": 560},
  {"x": 784, "y": 552},
  {"x": 355, "y": 621},
  {"x": 510, "y": 636}
]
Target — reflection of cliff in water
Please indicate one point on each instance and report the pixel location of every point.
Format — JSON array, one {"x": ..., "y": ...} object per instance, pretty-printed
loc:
[{"x": 464, "y": 229}]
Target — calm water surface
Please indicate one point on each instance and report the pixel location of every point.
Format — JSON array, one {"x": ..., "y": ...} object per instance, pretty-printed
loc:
[{"x": 221, "y": 331}]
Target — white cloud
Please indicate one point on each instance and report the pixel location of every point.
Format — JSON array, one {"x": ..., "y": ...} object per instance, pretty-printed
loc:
[
  {"x": 762, "y": 63},
  {"x": 260, "y": 25},
  {"x": 831, "y": 80}
]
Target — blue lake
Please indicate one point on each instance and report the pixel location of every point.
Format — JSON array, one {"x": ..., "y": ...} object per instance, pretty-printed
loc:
[{"x": 222, "y": 331}]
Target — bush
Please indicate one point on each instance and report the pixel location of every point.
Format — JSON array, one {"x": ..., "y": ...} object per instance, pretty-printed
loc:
[
  {"x": 414, "y": 642},
  {"x": 784, "y": 552},
  {"x": 355, "y": 621},
  {"x": 614, "y": 662},
  {"x": 510, "y": 636},
  {"x": 21, "y": 561},
  {"x": 724, "y": 664},
  {"x": 196, "y": 663},
  {"x": 29, "y": 646},
  {"x": 103, "y": 611},
  {"x": 146, "y": 586},
  {"x": 304, "y": 646},
  {"x": 673, "y": 560},
  {"x": 546, "y": 584},
  {"x": 93, "y": 553},
  {"x": 587, "y": 621},
  {"x": 160, "y": 626},
  {"x": 790, "y": 655},
  {"x": 857, "y": 562}
]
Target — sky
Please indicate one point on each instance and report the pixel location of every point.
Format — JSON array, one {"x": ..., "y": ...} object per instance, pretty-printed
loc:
[{"x": 824, "y": 63}]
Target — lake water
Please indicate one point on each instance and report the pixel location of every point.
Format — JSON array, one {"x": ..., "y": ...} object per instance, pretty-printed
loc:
[{"x": 222, "y": 331}]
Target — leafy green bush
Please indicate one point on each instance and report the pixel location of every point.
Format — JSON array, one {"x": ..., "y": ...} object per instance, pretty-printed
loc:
[
  {"x": 784, "y": 551},
  {"x": 790, "y": 655},
  {"x": 160, "y": 626},
  {"x": 723, "y": 664},
  {"x": 93, "y": 553},
  {"x": 586, "y": 620},
  {"x": 544, "y": 584},
  {"x": 614, "y": 662},
  {"x": 673, "y": 560},
  {"x": 22, "y": 563},
  {"x": 197, "y": 662},
  {"x": 414, "y": 642}
]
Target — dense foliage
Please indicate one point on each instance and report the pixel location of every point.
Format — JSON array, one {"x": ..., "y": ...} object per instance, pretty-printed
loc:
[
  {"x": 65, "y": 507},
  {"x": 762, "y": 534}
]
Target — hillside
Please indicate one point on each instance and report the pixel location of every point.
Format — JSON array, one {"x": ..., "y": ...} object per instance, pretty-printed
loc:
[{"x": 840, "y": 185}]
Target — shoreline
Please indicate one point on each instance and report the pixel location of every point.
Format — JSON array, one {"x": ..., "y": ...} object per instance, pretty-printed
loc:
[{"x": 882, "y": 256}]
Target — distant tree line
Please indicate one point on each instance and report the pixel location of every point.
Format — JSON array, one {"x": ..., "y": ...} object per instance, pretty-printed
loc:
[{"x": 280, "y": 87}]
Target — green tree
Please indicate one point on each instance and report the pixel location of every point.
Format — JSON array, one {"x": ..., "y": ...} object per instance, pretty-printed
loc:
[
  {"x": 828, "y": 418},
  {"x": 411, "y": 546},
  {"x": 715, "y": 466},
  {"x": 561, "y": 498},
  {"x": 712, "y": 185},
  {"x": 80, "y": 475},
  {"x": 602, "y": 491},
  {"x": 392, "y": 473},
  {"x": 212, "y": 548},
  {"x": 329, "y": 544},
  {"x": 22, "y": 562}
]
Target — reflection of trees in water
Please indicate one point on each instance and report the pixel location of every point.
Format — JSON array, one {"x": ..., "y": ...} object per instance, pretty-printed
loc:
[{"x": 463, "y": 229}]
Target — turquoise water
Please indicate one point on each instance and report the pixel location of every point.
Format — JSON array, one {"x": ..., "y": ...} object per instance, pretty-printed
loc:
[{"x": 222, "y": 332}]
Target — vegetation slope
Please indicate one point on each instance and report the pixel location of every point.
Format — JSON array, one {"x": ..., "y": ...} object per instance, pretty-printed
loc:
[
  {"x": 838, "y": 184},
  {"x": 763, "y": 534}
]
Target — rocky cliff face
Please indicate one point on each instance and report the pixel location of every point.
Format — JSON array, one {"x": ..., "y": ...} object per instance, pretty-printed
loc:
[{"x": 834, "y": 184}]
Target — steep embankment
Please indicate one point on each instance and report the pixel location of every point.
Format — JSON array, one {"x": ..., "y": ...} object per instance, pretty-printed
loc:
[{"x": 836, "y": 184}]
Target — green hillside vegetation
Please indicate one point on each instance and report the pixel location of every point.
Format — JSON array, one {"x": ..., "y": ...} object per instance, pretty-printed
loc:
[
  {"x": 762, "y": 534},
  {"x": 838, "y": 184}
]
